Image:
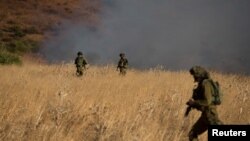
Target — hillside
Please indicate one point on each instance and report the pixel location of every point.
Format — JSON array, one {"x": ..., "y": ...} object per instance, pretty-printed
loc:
[
  {"x": 25, "y": 23},
  {"x": 48, "y": 102}
]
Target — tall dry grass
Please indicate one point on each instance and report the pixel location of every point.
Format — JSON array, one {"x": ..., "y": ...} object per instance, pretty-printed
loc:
[{"x": 48, "y": 102}]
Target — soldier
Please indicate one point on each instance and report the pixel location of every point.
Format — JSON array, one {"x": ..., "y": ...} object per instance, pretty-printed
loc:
[
  {"x": 122, "y": 64},
  {"x": 80, "y": 63},
  {"x": 202, "y": 101}
]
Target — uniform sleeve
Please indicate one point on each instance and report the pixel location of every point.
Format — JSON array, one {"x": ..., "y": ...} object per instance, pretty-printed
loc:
[
  {"x": 75, "y": 60},
  {"x": 207, "y": 93},
  {"x": 119, "y": 64},
  {"x": 85, "y": 61},
  {"x": 126, "y": 63}
]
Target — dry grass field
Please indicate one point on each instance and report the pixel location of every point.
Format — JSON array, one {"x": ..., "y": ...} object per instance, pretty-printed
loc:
[{"x": 40, "y": 102}]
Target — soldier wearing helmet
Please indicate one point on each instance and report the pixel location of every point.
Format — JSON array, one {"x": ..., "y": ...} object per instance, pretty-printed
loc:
[
  {"x": 122, "y": 64},
  {"x": 202, "y": 101},
  {"x": 80, "y": 63},
  {"x": 79, "y": 53}
]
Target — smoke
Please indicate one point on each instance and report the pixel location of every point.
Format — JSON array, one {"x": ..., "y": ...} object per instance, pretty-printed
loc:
[{"x": 173, "y": 34}]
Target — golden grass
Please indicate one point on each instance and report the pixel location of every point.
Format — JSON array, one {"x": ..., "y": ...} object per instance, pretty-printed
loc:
[{"x": 48, "y": 102}]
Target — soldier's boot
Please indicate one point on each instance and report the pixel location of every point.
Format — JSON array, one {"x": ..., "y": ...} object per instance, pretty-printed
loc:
[
  {"x": 193, "y": 136},
  {"x": 217, "y": 122}
]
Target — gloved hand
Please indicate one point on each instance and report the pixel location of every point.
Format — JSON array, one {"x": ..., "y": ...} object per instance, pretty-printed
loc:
[{"x": 190, "y": 102}]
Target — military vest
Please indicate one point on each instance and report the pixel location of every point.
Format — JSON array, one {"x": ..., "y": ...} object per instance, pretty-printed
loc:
[
  {"x": 123, "y": 63},
  {"x": 80, "y": 61}
]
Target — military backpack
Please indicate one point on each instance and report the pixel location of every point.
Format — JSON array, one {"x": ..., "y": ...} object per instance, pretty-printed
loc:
[{"x": 217, "y": 94}]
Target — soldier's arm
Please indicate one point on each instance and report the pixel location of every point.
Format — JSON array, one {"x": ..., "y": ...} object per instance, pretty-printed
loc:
[
  {"x": 188, "y": 109},
  {"x": 75, "y": 60},
  {"x": 126, "y": 63},
  {"x": 85, "y": 61},
  {"x": 119, "y": 64}
]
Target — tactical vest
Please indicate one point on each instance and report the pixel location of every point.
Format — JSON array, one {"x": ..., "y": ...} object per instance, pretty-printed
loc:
[
  {"x": 123, "y": 63},
  {"x": 80, "y": 61}
]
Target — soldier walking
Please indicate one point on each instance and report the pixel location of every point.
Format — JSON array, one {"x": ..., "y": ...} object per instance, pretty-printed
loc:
[
  {"x": 80, "y": 63},
  {"x": 122, "y": 64},
  {"x": 202, "y": 100}
]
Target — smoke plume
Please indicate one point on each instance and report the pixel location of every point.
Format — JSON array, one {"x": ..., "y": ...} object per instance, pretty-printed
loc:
[{"x": 169, "y": 33}]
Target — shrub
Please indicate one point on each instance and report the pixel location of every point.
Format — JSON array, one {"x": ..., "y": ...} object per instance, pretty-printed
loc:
[
  {"x": 16, "y": 30},
  {"x": 8, "y": 58},
  {"x": 20, "y": 46}
]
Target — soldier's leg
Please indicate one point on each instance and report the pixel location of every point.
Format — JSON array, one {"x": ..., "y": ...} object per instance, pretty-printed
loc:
[
  {"x": 123, "y": 71},
  {"x": 120, "y": 70},
  {"x": 79, "y": 71},
  {"x": 198, "y": 128},
  {"x": 213, "y": 118}
]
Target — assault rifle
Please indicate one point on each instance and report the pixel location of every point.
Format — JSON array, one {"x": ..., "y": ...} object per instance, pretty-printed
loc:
[{"x": 188, "y": 109}]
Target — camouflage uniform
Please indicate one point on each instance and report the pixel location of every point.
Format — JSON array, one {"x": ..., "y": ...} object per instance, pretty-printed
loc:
[
  {"x": 122, "y": 64},
  {"x": 80, "y": 63},
  {"x": 202, "y": 101}
]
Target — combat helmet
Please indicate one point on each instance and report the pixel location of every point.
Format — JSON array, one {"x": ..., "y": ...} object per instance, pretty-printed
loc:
[
  {"x": 122, "y": 55},
  {"x": 199, "y": 72},
  {"x": 79, "y": 53}
]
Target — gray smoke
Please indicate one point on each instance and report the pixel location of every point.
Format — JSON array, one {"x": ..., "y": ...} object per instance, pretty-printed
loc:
[{"x": 170, "y": 33}]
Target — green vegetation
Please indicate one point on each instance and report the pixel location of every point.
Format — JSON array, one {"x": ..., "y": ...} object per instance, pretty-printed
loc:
[
  {"x": 13, "y": 45},
  {"x": 20, "y": 47},
  {"x": 10, "y": 52},
  {"x": 17, "y": 31},
  {"x": 9, "y": 58}
]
